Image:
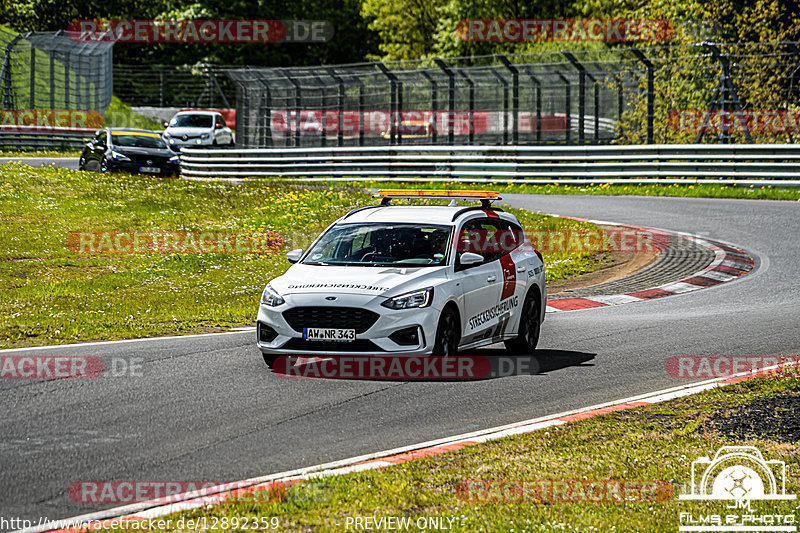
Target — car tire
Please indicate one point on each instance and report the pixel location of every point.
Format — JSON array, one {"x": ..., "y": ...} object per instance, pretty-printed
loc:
[
  {"x": 447, "y": 334},
  {"x": 529, "y": 326},
  {"x": 91, "y": 166}
]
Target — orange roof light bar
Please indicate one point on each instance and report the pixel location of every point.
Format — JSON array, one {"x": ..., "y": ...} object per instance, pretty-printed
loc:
[
  {"x": 437, "y": 193},
  {"x": 486, "y": 197},
  {"x": 139, "y": 133}
]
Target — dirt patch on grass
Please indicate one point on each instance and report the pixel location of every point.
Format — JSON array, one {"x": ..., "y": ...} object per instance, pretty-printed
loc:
[
  {"x": 776, "y": 418},
  {"x": 614, "y": 265},
  {"x": 618, "y": 265}
]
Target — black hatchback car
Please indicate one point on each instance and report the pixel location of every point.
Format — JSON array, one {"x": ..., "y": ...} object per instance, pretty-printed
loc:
[{"x": 128, "y": 150}]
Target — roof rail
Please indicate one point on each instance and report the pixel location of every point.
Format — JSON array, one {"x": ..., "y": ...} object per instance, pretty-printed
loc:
[
  {"x": 474, "y": 208},
  {"x": 354, "y": 211}
]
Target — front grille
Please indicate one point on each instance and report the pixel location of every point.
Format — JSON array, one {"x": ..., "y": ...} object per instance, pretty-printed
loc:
[
  {"x": 330, "y": 317},
  {"x": 157, "y": 161},
  {"x": 358, "y": 345}
]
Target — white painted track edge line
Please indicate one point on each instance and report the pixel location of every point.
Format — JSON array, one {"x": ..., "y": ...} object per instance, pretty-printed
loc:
[{"x": 248, "y": 329}]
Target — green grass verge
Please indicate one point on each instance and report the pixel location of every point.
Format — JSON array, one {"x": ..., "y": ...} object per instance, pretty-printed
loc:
[
  {"x": 51, "y": 294},
  {"x": 764, "y": 192},
  {"x": 656, "y": 443}
]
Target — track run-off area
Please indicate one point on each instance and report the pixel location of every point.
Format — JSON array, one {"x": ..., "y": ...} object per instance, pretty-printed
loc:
[{"x": 207, "y": 408}]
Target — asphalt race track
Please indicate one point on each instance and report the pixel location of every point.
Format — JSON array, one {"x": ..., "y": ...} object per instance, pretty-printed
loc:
[
  {"x": 208, "y": 408},
  {"x": 62, "y": 162}
]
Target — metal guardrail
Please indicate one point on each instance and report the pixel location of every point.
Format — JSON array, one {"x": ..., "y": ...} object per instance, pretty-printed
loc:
[
  {"x": 27, "y": 137},
  {"x": 724, "y": 161}
]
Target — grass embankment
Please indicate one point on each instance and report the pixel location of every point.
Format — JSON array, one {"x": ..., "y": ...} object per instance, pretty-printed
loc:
[
  {"x": 120, "y": 115},
  {"x": 651, "y": 444},
  {"x": 53, "y": 294},
  {"x": 689, "y": 189}
]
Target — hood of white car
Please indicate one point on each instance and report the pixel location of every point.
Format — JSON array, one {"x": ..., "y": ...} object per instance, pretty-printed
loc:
[{"x": 376, "y": 281}]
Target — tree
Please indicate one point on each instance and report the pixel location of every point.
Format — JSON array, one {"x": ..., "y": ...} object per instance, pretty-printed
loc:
[{"x": 352, "y": 40}]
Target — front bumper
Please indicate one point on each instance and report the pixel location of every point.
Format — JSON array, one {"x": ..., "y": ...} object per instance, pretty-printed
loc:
[
  {"x": 176, "y": 143},
  {"x": 276, "y": 337},
  {"x": 133, "y": 168}
]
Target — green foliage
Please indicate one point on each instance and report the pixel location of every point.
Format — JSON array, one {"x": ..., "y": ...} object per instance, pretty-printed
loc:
[
  {"x": 406, "y": 27},
  {"x": 351, "y": 43},
  {"x": 402, "y": 29},
  {"x": 119, "y": 115},
  {"x": 687, "y": 75}
]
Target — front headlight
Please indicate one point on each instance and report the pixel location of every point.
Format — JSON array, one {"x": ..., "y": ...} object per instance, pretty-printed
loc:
[
  {"x": 271, "y": 298},
  {"x": 411, "y": 300},
  {"x": 205, "y": 136},
  {"x": 119, "y": 157}
]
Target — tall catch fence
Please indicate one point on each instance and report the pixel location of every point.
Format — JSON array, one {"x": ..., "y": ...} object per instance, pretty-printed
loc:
[
  {"x": 744, "y": 93},
  {"x": 482, "y": 100},
  {"x": 54, "y": 90},
  {"x": 51, "y": 71},
  {"x": 701, "y": 93},
  {"x": 202, "y": 85}
]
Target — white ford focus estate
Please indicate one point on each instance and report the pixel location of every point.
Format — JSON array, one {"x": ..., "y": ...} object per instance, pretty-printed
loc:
[{"x": 408, "y": 280}]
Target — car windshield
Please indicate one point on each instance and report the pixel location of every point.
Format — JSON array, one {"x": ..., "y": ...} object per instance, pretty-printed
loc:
[
  {"x": 382, "y": 245},
  {"x": 191, "y": 121},
  {"x": 137, "y": 140}
]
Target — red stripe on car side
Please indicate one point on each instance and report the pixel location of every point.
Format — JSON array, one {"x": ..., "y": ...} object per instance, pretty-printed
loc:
[{"x": 509, "y": 276}]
